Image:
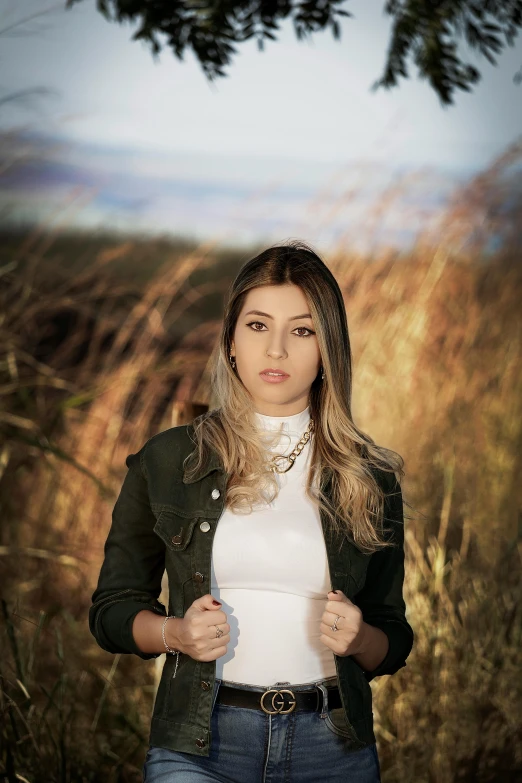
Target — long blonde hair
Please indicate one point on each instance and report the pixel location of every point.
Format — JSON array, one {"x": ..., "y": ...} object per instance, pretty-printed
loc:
[{"x": 340, "y": 450}]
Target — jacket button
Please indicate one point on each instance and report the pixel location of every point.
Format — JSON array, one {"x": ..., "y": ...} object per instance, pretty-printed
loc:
[
  {"x": 215, "y": 494},
  {"x": 200, "y": 743},
  {"x": 205, "y": 527},
  {"x": 198, "y": 577},
  {"x": 176, "y": 539},
  {"x": 205, "y": 685}
]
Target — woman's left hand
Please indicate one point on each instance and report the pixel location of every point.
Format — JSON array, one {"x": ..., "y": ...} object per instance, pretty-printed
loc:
[{"x": 348, "y": 639}]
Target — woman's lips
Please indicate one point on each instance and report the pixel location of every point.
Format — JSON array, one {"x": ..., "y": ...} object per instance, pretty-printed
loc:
[{"x": 273, "y": 378}]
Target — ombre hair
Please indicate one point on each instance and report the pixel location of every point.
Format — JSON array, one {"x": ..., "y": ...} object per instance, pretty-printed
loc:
[{"x": 340, "y": 451}]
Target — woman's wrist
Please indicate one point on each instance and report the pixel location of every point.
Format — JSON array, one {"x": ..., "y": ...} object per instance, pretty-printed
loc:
[
  {"x": 147, "y": 630},
  {"x": 168, "y": 635}
]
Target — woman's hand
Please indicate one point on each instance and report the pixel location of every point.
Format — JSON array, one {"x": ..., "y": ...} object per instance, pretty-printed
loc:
[
  {"x": 350, "y": 636},
  {"x": 195, "y": 633}
]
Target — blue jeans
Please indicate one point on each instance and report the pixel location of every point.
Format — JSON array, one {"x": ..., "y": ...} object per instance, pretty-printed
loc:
[{"x": 249, "y": 746}]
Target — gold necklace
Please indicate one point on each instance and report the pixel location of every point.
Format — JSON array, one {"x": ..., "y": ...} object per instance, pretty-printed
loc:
[{"x": 274, "y": 461}]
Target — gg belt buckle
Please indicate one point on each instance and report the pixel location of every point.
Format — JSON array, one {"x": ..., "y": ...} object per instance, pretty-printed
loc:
[{"x": 278, "y": 706}]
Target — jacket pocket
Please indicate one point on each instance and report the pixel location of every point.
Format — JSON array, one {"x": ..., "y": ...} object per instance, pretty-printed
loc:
[{"x": 174, "y": 530}]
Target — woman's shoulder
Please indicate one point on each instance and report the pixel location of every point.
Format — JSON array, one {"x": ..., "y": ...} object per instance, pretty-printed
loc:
[
  {"x": 165, "y": 449},
  {"x": 167, "y": 438}
]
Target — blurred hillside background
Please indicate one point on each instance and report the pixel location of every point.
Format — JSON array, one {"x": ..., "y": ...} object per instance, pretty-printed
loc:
[{"x": 131, "y": 192}]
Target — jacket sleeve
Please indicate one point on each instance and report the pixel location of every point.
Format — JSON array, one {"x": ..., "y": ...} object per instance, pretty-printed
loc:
[
  {"x": 381, "y": 598},
  {"x": 132, "y": 569}
]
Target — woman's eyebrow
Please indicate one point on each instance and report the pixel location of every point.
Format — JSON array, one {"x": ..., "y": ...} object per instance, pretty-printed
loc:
[{"x": 266, "y": 315}]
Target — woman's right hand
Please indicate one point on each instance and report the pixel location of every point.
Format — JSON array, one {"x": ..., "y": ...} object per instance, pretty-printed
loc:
[{"x": 196, "y": 631}]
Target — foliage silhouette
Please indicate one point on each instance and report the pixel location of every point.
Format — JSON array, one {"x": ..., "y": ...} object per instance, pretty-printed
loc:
[{"x": 427, "y": 30}]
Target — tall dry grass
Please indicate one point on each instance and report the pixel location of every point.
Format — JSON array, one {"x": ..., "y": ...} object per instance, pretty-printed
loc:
[{"x": 98, "y": 355}]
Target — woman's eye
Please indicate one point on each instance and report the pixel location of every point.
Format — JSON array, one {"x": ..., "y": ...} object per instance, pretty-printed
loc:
[{"x": 252, "y": 323}]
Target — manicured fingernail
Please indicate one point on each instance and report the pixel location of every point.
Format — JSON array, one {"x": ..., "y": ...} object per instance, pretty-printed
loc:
[{"x": 216, "y": 603}]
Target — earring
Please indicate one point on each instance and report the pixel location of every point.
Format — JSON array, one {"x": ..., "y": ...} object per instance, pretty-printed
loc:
[{"x": 322, "y": 373}]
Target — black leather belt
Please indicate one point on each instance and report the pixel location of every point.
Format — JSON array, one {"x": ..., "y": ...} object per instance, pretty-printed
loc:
[{"x": 280, "y": 700}]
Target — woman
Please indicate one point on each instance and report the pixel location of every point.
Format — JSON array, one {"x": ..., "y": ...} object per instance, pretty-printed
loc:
[{"x": 285, "y": 580}]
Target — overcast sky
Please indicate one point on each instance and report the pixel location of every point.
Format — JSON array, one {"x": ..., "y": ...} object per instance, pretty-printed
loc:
[{"x": 308, "y": 99}]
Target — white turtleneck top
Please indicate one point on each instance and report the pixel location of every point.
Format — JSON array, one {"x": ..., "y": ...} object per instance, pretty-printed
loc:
[{"x": 270, "y": 572}]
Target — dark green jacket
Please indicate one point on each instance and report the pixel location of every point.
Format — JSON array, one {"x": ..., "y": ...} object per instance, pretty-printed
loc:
[{"x": 161, "y": 522}]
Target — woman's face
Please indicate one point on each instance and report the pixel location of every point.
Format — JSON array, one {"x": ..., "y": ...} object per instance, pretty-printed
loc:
[{"x": 278, "y": 340}]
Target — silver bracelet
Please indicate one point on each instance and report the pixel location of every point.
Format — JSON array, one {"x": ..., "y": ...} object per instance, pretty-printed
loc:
[{"x": 168, "y": 649}]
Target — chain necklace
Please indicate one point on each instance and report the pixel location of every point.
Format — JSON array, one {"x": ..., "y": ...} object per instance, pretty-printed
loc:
[{"x": 280, "y": 459}]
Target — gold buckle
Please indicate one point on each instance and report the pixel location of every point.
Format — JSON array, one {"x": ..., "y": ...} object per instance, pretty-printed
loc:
[{"x": 278, "y": 708}]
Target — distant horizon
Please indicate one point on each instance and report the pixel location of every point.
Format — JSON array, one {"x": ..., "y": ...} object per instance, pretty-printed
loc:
[
  {"x": 159, "y": 194},
  {"x": 154, "y": 150}
]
